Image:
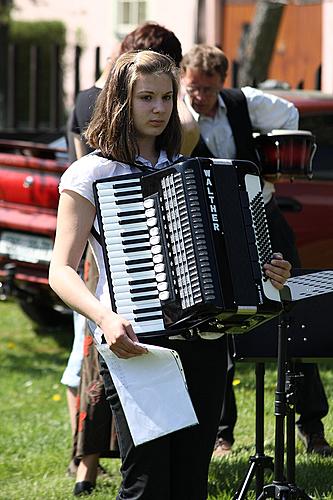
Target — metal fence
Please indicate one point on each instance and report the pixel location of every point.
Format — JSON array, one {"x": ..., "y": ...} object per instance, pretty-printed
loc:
[{"x": 33, "y": 94}]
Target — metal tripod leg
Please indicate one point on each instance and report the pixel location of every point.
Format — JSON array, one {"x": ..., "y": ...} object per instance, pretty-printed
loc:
[
  {"x": 258, "y": 462},
  {"x": 281, "y": 487}
]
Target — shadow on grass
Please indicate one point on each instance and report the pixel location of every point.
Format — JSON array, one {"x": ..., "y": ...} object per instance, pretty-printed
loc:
[
  {"x": 62, "y": 334},
  {"x": 313, "y": 474}
]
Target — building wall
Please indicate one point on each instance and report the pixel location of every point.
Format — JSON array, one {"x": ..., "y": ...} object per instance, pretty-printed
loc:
[
  {"x": 327, "y": 46},
  {"x": 94, "y": 24},
  {"x": 297, "y": 54}
]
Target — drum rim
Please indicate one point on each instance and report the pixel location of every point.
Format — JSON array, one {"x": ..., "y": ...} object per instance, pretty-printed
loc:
[{"x": 275, "y": 132}]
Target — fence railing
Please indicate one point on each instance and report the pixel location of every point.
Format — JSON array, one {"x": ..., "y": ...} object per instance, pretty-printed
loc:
[{"x": 33, "y": 93}]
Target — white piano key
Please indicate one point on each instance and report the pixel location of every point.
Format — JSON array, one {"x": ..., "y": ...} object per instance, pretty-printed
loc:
[
  {"x": 115, "y": 254},
  {"x": 113, "y": 183},
  {"x": 118, "y": 278},
  {"x": 134, "y": 289},
  {"x": 128, "y": 267},
  {"x": 123, "y": 303},
  {"x": 115, "y": 228},
  {"x": 131, "y": 306},
  {"x": 114, "y": 218},
  {"x": 151, "y": 326}
]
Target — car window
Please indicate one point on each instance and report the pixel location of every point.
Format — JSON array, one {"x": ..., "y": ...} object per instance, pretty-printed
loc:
[{"x": 321, "y": 126}]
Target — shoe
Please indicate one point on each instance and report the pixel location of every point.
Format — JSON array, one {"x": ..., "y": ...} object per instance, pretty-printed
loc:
[
  {"x": 222, "y": 448},
  {"x": 83, "y": 488},
  {"x": 316, "y": 443}
]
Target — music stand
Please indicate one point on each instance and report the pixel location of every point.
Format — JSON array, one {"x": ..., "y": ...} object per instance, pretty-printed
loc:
[{"x": 283, "y": 487}]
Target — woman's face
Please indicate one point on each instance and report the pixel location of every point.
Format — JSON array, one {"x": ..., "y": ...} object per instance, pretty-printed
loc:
[{"x": 152, "y": 104}]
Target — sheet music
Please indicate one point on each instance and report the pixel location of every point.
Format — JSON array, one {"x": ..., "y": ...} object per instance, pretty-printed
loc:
[
  {"x": 153, "y": 392},
  {"x": 309, "y": 285}
]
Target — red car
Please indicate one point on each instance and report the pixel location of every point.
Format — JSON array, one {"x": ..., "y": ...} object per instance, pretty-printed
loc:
[{"x": 29, "y": 176}]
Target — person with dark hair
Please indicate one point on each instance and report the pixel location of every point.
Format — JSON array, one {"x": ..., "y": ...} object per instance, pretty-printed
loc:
[
  {"x": 135, "y": 122},
  {"x": 86, "y": 411},
  {"x": 227, "y": 119}
]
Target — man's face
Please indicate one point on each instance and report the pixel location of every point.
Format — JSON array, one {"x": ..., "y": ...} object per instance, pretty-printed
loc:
[{"x": 202, "y": 90}]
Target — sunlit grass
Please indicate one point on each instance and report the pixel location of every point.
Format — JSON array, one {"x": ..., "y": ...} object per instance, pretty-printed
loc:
[{"x": 35, "y": 440}]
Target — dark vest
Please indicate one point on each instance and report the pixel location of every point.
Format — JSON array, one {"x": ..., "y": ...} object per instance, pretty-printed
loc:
[{"x": 240, "y": 123}]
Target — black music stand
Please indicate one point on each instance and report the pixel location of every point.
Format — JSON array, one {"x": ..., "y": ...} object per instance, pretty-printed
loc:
[{"x": 283, "y": 487}]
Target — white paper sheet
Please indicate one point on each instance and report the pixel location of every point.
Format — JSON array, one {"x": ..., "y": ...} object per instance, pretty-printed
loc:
[{"x": 153, "y": 392}]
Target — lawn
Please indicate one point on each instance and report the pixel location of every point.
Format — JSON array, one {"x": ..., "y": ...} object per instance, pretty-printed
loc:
[{"x": 35, "y": 438}]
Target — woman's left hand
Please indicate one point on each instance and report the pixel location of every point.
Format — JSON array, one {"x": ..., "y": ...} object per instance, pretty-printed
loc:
[{"x": 278, "y": 270}]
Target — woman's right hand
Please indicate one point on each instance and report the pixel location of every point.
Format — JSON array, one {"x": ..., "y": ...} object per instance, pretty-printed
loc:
[{"x": 120, "y": 336}]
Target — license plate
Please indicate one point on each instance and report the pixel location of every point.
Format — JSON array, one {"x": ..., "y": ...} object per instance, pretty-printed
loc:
[{"x": 26, "y": 248}]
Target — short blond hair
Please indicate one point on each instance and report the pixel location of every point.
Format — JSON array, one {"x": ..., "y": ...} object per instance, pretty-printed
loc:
[{"x": 206, "y": 58}]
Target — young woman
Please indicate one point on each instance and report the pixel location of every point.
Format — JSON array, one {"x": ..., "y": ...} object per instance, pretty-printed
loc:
[{"x": 136, "y": 119}]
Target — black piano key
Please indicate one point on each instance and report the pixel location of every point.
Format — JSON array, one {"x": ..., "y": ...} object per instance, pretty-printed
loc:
[
  {"x": 145, "y": 297},
  {"x": 140, "y": 232},
  {"x": 127, "y": 192},
  {"x": 148, "y": 318},
  {"x": 140, "y": 269},
  {"x": 147, "y": 309},
  {"x": 133, "y": 262},
  {"x": 125, "y": 213},
  {"x": 136, "y": 241},
  {"x": 142, "y": 281},
  {"x": 136, "y": 249},
  {"x": 142, "y": 290},
  {"x": 131, "y": 221},
  {"x": 125, "y": 202}
]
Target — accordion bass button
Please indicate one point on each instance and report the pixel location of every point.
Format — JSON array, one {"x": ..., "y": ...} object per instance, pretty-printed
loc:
[
  {"x": 154, "y": 231},
  {"x": 161, "y": 287},
  {"x": 155, "y": 240},
  {"x": 161, "y": 277},
  {"x": 150, "y": 212},
  {"x": 158, "y": 258},
  {"x": 152, "y": 222},
  {"x": 149, "y": 203},
  {"x": 156, "y": 249},
  {"x": 164, "y": 295},
  {"x": 159, "y": 268}
]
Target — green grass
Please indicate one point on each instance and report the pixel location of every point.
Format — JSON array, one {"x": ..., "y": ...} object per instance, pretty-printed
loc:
[{"x": 35, "y": 438}]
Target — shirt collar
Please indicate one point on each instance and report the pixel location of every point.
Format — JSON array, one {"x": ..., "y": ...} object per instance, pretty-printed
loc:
[
  {"x": 196, "y": 115},
  {"x": 162, "y": 161}
]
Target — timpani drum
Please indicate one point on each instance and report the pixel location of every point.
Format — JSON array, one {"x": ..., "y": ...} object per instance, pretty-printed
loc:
[{"x": 285, "y": 153}]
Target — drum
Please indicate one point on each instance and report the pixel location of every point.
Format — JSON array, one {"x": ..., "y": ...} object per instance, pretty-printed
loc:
[{"x": 285, "y": 153}]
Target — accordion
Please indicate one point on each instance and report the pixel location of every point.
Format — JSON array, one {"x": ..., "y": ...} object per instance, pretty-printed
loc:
[{"x": 184, "y": 248}]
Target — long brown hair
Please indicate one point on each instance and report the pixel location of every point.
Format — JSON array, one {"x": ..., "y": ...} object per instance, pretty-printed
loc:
[{"x": 111, "y": 128}]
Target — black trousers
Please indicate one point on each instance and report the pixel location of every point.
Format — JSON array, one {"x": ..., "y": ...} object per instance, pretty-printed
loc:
[
  {"x": 311, "y": 400},
  {"x": 175, "y": 467}
]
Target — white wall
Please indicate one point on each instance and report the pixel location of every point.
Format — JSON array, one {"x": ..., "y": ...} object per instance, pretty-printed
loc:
[{"x": 93, "y": 24}]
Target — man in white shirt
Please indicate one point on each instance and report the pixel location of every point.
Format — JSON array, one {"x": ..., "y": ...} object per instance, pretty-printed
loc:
[{"x": 227, "y": 119}]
